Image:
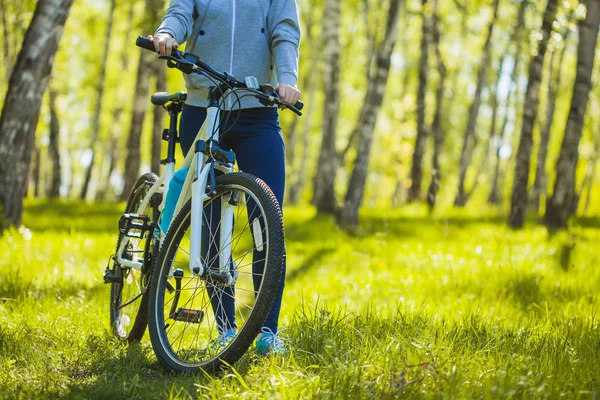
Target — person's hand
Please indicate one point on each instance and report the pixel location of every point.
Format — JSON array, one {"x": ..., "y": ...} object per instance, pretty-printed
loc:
[
  {"x": 164, "y": 43},
  {"x": 289, "y": 94}
]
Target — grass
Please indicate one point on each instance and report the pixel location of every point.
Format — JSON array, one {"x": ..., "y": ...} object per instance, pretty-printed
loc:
[{"x": 452, "y": 305}]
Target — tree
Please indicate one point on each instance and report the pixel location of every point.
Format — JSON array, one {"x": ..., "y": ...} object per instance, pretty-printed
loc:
[
  {"x": 140, "y": 103},
  {"x": 324, "y": 181},
  {"x": 516, "y": 37},
  {"x": 23, "y": 101},
  {"x": 563, "y": 202},
  {"x": 467, "y": 150},
  {"x": 348, "y": 215},
  {"x": 518, "y": 204},
  {"x": 98, "y": 108},
  {"x": 540, "y": 181},
  {"x": 415, "y": 171},
  {"x": 54, "y": 146},
  {"x": 436, "y": 126}
]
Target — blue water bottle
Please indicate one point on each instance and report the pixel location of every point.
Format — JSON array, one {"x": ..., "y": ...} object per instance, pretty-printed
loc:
[{"x": 173, "y": 192}]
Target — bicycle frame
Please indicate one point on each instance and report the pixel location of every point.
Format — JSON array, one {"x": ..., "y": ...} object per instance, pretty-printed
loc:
[{"x": 196, "y": 179}]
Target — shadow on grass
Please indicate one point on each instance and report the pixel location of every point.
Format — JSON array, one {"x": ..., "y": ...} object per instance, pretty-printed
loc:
[
  {"x": 132, "y": 371},
  {"x": 60, "y": 216},
  {"x": 14, "y": 290},
  {"x": 308, "y": 264}
]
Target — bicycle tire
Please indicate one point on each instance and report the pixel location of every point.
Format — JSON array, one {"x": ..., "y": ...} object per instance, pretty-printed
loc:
[
  {"x": 273, "y": 266},
  {"x": 138, "y": 329}
]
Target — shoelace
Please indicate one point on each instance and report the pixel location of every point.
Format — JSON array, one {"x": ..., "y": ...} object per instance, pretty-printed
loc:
[
  {"x": 272, "y": 339},
  {"x": 223, "y": 338}
]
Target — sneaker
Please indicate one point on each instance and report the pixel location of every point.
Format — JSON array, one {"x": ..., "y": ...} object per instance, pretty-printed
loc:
[
  {"x": 223, "y": 340},
  {"x": 268, "y": 342}
]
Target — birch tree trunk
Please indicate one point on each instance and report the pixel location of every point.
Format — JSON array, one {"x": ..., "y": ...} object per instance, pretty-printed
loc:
[
  {"x": 348, "y": 216},
  {"x": 467, "y": 149},
  {"x": 37, "y": 160},
  {"x": 563, "y": 202},
  {"x": 399, "y": 189},
  {"x": 414, "y": 193},
  {"x": 159, "y": 114},
  {"x": 518, "y": 204},
  {"x": 495, "y": 196},
  {"x": 53, "y": 150},
  {"x": 140, "y": 105},
  {"x": 23, "y": 100},
  {"x": 324, "y": 181},
  {"x": 436, "y": 126},
  {"x": 98, "y": 108},
  {"x": 540, "y": 183}
]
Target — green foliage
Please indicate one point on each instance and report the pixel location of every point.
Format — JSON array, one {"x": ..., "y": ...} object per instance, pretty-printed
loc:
[{"x": 454, "y": 305}]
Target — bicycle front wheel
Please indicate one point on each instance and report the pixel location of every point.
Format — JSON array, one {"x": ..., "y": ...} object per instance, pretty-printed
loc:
[{"x": 198, "y": 322}]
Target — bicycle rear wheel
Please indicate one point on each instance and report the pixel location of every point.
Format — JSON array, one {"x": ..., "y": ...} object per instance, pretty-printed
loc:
[
  {"x": 188, "y": 315},
  {"x": 128, "y": 294}
]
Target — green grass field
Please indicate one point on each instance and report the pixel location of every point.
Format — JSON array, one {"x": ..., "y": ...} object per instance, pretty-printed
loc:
[{"x": 411, "y": 306}]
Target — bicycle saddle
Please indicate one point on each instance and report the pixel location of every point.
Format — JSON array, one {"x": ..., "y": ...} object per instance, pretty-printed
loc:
[{"x": 160, "y": 98}]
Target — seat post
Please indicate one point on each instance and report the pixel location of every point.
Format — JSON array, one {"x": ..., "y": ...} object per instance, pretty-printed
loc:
[{"x": 171, "y": 134}]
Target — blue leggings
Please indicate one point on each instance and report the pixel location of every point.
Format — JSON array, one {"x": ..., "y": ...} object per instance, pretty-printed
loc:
[{"x": 257, "y": 142}]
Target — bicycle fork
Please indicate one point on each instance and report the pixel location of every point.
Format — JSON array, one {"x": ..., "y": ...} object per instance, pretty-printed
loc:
[{"x": 203, "y": 170}]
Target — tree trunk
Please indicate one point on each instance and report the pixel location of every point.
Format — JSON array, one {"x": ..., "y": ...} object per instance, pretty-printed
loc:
[
  {"x": 495, "y": 196},
  {"x": 37, "y": 155},
  {"x": 54, "y": 151},
  {"x": 324, "y": 181},
  {"x": 98, "y": 108},
  {"x": 159, "y": 113},
  {"x": 399, "y": 190},
  {"x": 540, "y": 184},
  {"x": 518, "y": 204},
  {"x": 467, "y": 150},
  {"x": 414, "y": 193},
  {"x": 370, "y": 59},
  {"x": 563, "y": 202},
  {"x": 140, "y": 105},
  {"x": 436, "y": 126},
  {"x": 348, "y": 216},
  {"x": 23, "y": 101}
]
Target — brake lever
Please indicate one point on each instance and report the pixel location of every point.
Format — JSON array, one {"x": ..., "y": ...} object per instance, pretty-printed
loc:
[{"x": 177, "y": 60}]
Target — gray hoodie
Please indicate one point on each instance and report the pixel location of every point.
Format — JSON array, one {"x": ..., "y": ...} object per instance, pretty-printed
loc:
[{"x": 257, "y": 38}]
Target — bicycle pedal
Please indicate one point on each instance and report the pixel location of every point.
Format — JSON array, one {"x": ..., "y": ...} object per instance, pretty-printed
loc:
[
  {"x": 188, "y": 315},
  {"x": 135, "y": 225}
]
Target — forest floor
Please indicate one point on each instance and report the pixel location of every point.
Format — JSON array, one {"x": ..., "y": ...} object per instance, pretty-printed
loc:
[{"x": 418, "y": 306}]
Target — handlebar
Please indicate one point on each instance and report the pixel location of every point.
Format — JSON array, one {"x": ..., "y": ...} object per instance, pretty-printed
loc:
[{"x": 189, "y": 63}]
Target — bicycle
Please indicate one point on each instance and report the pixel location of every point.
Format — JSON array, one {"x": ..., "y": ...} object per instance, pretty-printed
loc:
[{"x": 231, "y": 266}]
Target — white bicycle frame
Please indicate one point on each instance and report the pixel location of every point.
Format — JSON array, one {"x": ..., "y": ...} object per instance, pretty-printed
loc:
[{"x": 196, "y": 178}]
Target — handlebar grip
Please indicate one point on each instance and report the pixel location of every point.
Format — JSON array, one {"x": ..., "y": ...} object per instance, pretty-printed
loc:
[
  {"x": 299, "y": 105},
  {"x": 145, "y": 43}
]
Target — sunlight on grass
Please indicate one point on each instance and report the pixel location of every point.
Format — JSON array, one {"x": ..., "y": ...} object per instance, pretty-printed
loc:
[{"x": 411, "y": 304}]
